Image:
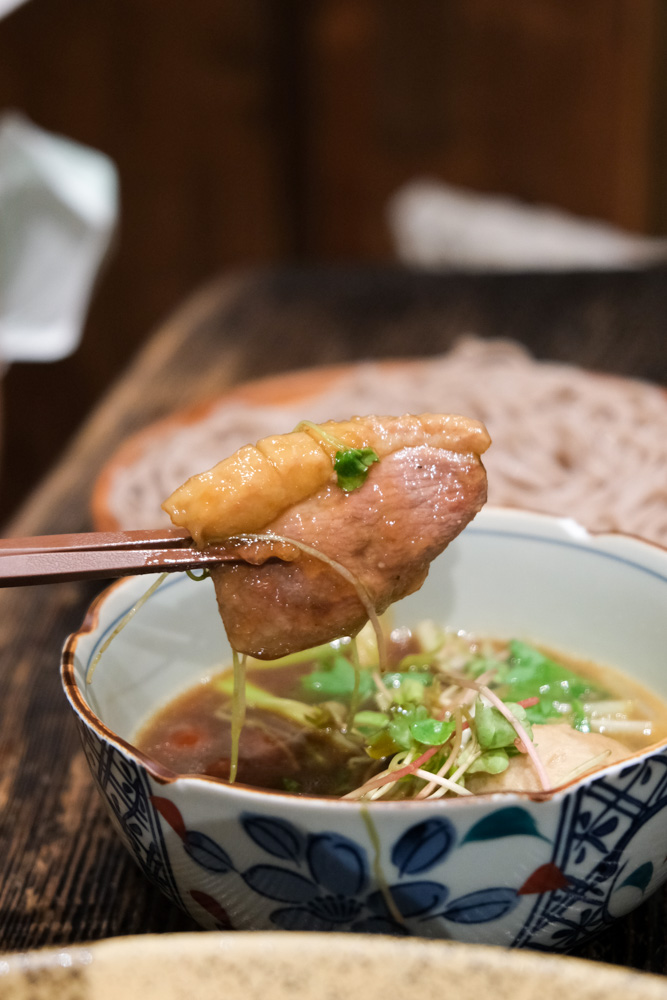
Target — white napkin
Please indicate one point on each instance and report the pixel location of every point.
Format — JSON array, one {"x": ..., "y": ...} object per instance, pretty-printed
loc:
[
  {"x": 436, "y": 225},
  {"x": 6, "y": 6},
  {"x": 58, "y": 211}
]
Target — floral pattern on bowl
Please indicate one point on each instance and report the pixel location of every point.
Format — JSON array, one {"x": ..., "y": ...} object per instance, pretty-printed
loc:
[{"x": 326, "y": 881}]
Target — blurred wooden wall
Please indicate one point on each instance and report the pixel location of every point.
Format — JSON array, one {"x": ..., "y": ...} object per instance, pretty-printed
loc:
[{"x": 254, "y": 131}]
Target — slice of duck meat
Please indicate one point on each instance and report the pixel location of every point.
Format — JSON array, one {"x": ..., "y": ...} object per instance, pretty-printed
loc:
[{"x": 428, "y": 484}]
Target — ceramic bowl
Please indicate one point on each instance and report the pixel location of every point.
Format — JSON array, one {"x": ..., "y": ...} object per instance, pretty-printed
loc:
[{"x": 544, "y": 870}]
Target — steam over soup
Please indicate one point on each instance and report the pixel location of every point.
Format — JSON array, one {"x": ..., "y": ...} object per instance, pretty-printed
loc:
[{"x": 452, "y": 715}]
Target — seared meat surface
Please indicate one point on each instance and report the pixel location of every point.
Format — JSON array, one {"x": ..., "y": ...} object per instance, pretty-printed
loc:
[
  {"x": 428, "y": 484},
  {"x": 252, "y": 487},
  {"x": 414, "y": 503}
]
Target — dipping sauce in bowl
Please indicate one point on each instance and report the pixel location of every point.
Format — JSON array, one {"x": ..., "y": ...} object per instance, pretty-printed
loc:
[
  {"x": 316, "y": 725},
  {"x": 535, "y": 868}
]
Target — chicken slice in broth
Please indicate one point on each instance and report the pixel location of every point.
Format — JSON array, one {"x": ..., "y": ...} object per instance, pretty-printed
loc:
[{"x": 565, "y": 753}]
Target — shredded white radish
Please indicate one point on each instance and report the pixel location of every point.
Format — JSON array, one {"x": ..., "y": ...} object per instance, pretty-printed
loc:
[
  {"x": 628, "y": 727},
  {"x": 617, "y": 708},
  {"x": 447, "y": 783}
]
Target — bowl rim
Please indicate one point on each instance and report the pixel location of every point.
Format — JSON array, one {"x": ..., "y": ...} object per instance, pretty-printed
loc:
[{"x": 165, "y": 776}]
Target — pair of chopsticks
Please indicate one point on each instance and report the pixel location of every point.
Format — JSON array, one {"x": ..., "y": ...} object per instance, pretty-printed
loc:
[{"x": 101, "y": 555}]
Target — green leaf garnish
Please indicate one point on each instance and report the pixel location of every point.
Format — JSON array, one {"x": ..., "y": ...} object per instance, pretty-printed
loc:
[
  {"x": 491, "y": 762},
  {"x": 399, "y": 727},
  {"x": 531, "y": 674},
  {"x": 382, "y": 745},
  {"x": 407, "y": 687},
  {"x": 493, "y": 729},
  {"x": 370, "y": 724},
  {"x": 351, "y": 467},
  {"x": 335, "y": 681},
  {"x": 432, "y": 732},
  {"x": 481, "y": 664},
  {"x": 414, "y": 725}
]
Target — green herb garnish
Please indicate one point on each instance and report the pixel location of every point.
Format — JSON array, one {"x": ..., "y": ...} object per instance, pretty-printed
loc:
[
  {"x": 351, "y": 467},
  {"x": 370, "y": 723},
  {"x": 337, "y": 680},
  {"x": 530, "y": 674},
  {"x": 432, "y": 732},
  {"x": 491, "y": 762},
  {"x": 407, "y": 687},
  {"x": 493, "y": 730},
  {"x": 408, "y": 728}
]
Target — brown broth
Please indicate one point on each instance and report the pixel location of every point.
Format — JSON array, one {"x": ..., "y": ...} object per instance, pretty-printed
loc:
[
  {"x": 648, "y": 705},
  {"x": 192, "y": 734}
]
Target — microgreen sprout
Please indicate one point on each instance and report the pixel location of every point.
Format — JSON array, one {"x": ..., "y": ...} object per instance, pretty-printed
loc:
[{"x": 424, "y": 726}]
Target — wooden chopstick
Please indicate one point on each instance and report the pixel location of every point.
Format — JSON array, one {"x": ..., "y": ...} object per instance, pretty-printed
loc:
[
  {"x": 96, "y": 540},
  {"x": 101, "y": 555}
]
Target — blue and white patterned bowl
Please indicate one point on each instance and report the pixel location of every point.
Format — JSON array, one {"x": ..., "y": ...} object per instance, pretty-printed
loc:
[{"x": 542, "y": 870}]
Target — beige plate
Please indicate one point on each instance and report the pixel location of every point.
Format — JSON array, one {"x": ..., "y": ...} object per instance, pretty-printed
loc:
[{"x": 283, "y": 966}]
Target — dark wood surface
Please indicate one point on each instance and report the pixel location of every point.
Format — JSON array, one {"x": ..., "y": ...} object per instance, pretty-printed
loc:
[
  {"x": 64, "y": 877},
  {"x": 253, "y": 131}
]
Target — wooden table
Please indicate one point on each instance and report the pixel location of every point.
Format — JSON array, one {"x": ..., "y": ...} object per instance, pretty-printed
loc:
[{"x": 65, "y": 876}]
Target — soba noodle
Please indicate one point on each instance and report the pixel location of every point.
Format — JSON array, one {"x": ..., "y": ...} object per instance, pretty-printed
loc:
[{"x": 565, "y": 441}]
